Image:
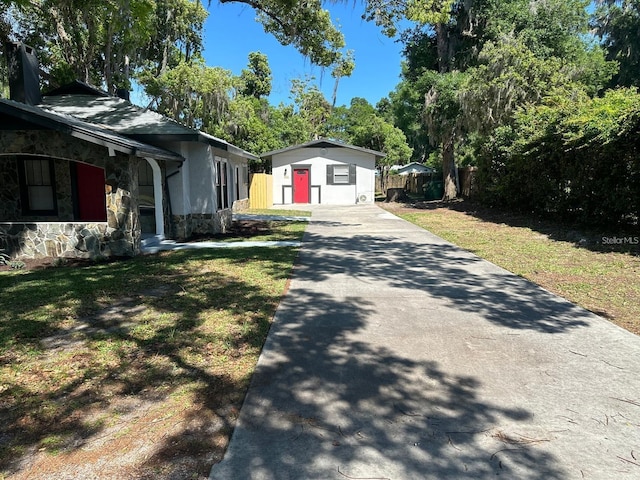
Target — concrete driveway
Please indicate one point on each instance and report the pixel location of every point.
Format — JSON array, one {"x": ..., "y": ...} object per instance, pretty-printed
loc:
[{"x": 396, "y": 355}]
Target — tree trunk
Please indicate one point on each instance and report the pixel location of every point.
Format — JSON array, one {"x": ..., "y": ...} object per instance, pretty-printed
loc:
[
  {"x": 449, "y": 171},
  {"x": 396, "y": 195},
  {"x": 443, "y": 44}
]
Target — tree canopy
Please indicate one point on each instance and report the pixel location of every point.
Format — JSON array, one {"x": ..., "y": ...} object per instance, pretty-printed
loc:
[{"x": 478, "y": 76}]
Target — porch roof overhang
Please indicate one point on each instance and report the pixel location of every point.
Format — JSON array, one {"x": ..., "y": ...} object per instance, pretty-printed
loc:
[{"x": 28, "y": 116}]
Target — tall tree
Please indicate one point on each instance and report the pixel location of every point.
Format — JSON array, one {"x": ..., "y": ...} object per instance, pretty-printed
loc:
[
  {"x": 343, "y": 68},
  {"x": 618, "y": 24},
  {"x": 99, "y": 41},
  {"x": 311, "y": 105},
  {"x": 447, "y": 21},
  {"x": 192, "y": 93}
]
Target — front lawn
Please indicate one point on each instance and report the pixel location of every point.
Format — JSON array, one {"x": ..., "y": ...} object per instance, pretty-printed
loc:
[{"x": 138, "y": 366}]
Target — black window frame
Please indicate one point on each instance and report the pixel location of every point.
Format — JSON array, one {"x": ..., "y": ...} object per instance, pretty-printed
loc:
[
  {"x": 25, "y": 186},
  {"x": 222, "y": 184}
]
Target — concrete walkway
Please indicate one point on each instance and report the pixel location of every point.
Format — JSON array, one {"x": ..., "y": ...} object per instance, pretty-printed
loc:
[{"x": 396, "y": 355}]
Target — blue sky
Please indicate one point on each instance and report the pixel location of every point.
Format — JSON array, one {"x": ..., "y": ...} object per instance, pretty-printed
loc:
[{"x": 231, "y": 33}]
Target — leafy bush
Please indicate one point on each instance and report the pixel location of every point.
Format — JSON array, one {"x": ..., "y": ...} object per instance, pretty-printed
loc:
[
  {"x": 6, "y": 260},
  {"x": 571, "y": 158}
]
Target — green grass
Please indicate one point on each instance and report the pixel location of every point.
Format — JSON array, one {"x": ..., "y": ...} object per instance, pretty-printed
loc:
[
  {"x": 179, "y": 331},
  {"x": 566, "y": 261},
  {"x": 275, "y": 211},
  {"x": 265, "y": 231}
]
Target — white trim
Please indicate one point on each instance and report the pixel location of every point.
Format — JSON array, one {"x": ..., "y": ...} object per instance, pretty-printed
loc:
[{"x": 157, "y": 196}]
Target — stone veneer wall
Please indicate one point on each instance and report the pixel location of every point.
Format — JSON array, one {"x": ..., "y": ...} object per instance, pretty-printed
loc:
[
  {"x": 38, "y": 240},
  {"x": 33, "y": 237},
  {"x": 122, "y": 208},
  {"x": 185, "y": 226},
  {"x": 10, "y": 208},
  {"x": 240, "y": 205}
]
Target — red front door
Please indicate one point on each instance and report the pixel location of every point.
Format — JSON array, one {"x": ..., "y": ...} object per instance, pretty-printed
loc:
[
  {"x": 301, "y": 185},
  {"x": 92, "y": 205}
]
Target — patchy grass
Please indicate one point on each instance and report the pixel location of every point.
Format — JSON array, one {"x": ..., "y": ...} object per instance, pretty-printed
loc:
[
  {"x": 260, "y": 231},
  {"x": 139, "y": 364},
  {"x": 572, "y": 262}
]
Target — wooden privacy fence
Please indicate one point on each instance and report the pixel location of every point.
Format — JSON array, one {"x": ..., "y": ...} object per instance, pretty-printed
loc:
[
  {"x": 467, "y": 177},
  {"x": 261, "y": 191},
  {"x": 412, "y": 182},
  {"x": 415, "y": 182}
]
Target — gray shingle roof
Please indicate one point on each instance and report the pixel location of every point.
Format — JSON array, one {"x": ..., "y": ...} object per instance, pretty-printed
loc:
[
  {"x": 128, "y": 119},
  {"x": 83, "y": 130},
  {"x": 324, "y": 143}
]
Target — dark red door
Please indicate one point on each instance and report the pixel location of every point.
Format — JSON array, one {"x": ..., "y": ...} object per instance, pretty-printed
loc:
[
  {"x": 92, "y": 205},
  {"x": 301, "y": 185}
]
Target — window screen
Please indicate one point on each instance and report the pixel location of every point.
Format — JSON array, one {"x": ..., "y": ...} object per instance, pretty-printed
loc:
[{"x": 341, "y": 174}]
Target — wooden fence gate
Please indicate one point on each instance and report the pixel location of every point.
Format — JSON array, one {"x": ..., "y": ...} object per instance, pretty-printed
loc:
[{"x": 261, "y": 191}]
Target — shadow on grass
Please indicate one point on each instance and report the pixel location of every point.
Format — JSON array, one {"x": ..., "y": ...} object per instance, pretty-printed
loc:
[
  {"x": 601, "y": 239},
  {"x": 82, "y": 335}
]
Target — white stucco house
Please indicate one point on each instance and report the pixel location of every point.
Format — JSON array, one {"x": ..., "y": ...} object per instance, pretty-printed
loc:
[{"x": 323, "y": 172}]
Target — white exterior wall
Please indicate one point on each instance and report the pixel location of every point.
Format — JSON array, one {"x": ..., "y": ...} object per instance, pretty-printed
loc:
[
  {"x": 202, "y": 179},
  {"x": 318, "y": 159},
  {"x": 178, "y": 184},
  {"x": 238, "y": 166},
  {"x": 193, "y": 188}
]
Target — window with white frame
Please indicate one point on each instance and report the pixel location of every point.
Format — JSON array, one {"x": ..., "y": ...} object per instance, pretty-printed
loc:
[{"x": 341, "y": 174}]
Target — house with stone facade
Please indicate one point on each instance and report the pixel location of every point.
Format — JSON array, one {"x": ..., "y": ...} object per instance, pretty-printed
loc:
[
  {"x": 68, "y": 187},
  {"x": 86, "y": 174}
]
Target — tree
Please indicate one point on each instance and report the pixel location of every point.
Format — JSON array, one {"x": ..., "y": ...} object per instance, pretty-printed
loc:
[
  {"x": 343, "y": 68},
  {"x": 192, "y": 93},
  {"x": 305, "y": 25},
  {"x": 103, "y": 42},
  {"x": 617, "y": 24},
  {"x": 510, "y": 75},
  {"x": 361, "y": 125},
  {"x": 442, "y": 116},
  {"x": 311, "y": 105},
  {"x": 446, "y": 20},
  {"x": 256, "y": 78},
  {"x": 510, "y": 51}
]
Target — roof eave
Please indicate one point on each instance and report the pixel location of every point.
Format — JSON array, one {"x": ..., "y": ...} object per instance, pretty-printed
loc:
[{"x": 315, "y": 143}]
